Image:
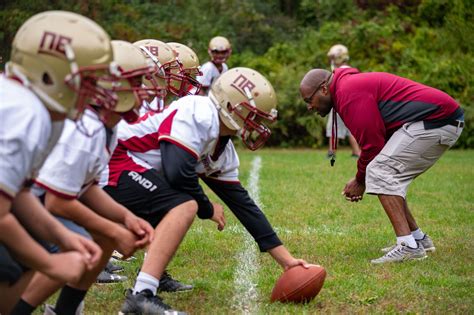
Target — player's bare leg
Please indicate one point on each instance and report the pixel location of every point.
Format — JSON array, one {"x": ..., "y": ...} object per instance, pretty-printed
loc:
[
  {"x": 42, "y": 287},
  {"x": 168, "y": 235},
  {"x": 11, "y": 293}
]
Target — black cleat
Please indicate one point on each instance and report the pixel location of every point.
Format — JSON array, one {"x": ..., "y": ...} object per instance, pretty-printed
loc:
[
  {"x": 111, "y": 268},
  {"x": 168, "y": 284},
  {"x": 145, "y": 302}
]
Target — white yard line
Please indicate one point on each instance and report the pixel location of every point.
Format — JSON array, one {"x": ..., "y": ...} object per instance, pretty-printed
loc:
[{"x": 245, "y": 287}]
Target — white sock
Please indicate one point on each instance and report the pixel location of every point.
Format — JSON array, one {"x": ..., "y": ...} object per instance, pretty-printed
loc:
[
  {"x": 407, "y": 239},
  {"x": 418, "y": 234},
  {"x": 146, "y": 281}
]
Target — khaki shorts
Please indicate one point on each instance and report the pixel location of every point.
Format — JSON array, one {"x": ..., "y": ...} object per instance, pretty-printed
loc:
[{"x": 410, "y": 152}]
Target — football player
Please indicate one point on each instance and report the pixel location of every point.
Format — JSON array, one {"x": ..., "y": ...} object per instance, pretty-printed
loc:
[
  {"x": 219, "y": 50},
  {"x": 77, "y": 199},
  {"x": 178, "y": 67},
  {"x": 155, "y": 168},
  {"x": 57, "y": 59}
]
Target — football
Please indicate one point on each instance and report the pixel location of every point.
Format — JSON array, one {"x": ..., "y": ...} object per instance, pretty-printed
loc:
[{"x": 298, "y": 284}]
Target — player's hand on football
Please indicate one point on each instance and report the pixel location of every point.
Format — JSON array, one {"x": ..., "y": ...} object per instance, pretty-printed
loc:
[
  {"x": 353, "y": 191},
  {"x": 141, "y": 228},
  {"x": 125, "y": 241},
  {"x": 218, "y": 216},
  {"x": 295, "y": 262},
  {"x": 66, "y": 267},
  {"x": 89, "y": 249}
]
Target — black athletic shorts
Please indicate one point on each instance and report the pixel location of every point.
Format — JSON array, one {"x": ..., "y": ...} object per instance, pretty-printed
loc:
[
  {"x": 10, "y": 269},
  {"x": 148, "y": 195}
]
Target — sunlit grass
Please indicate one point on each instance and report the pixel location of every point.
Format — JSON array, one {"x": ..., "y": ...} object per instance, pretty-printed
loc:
[{"x": 300, "y": 194}]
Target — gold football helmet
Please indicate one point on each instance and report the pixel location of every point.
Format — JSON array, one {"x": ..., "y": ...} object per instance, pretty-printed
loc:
[
  {"x": 131, "y": 91},
  {"x": 169, "y": 69},
  {"x": 190, "y": 69},
  {"x": 338, "y": 54},
  {"x": 61, "y": 56},
  {"x": 219, "y": 49},
  {"x": 245, "y": 100}
]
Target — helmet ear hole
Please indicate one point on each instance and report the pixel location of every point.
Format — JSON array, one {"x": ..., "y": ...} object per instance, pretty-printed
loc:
[
  {"x": 46, "y": 78},
  {"x": 229, "y": 107}
]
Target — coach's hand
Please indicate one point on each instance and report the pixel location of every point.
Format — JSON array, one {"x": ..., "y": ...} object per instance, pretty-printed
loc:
[
  {"x": 91, "y": 252},
  {"x": 218, "y": 216},
  {"x": 141, "y": 228},
  {"x": 354, "y": 191}
]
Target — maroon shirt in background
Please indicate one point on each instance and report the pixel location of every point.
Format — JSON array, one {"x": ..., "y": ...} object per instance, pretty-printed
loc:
[{"x": 374, "y": 105}]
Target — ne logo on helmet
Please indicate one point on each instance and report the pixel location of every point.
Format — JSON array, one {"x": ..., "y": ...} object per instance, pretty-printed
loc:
[
  {"x": 53, "y": 44},
  {"x": 241, "y": 82},
  {"x": 153, "y": 50}
]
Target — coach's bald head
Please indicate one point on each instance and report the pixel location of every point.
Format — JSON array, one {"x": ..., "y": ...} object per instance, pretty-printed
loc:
[{"x": 314, "y": 89}]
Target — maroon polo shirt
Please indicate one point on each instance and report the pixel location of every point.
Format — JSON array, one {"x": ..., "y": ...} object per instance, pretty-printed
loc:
[{"x": 374, "y": 105}]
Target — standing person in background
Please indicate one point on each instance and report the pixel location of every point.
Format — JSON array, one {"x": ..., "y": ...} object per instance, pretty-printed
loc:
[
  {"x": 220, "y": 50},
  {"x": 338, "y": 57}
]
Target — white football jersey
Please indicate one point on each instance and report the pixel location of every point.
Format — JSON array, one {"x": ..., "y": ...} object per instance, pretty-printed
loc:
[
  {"x": 210, "y": 73},
  {"x": 27, "y": 135},
  {"x": 77, "y": 159},
  {"x": 191, "y": 122}
]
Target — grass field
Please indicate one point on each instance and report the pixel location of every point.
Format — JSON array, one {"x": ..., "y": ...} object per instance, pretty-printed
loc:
[{"x": 300, "y": 194}]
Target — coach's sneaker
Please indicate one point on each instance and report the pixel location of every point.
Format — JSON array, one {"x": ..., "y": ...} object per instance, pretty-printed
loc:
[
  {"x": 426, "y": 242},
  {"x": 401, "y": 253},
  {"x": 168, "y": 284},
  {"x": 145, "y": 302}
]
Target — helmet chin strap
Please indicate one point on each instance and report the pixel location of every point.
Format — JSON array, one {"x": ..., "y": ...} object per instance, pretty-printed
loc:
[{"x": 223, "y": 112}]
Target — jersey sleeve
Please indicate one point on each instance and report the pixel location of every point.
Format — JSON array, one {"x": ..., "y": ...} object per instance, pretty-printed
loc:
[
  {"x": 206, "y": 78},
  {"x": 23, "y": 137},
  {"x": 74, "y": 157},
  {"x": 192, "y": 128}
]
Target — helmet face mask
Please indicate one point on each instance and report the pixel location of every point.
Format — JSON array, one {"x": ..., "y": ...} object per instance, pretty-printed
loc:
[
  {"x": 190, "y": 69},
  {"x": 61, "y": 56},
  {"x": 219, "y": 49},
  {"x": 168, "y": 75},
  {"x": 219, "y": 56},
  {"x": 245, "y": 101},
  {"x": 254, "y": 133},
  {"x": 134, "y": 68}
]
